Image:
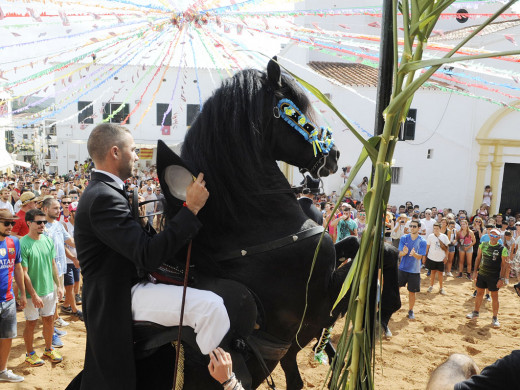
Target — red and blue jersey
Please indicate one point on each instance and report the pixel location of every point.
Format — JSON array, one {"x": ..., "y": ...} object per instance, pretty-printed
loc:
[{"x": 9, "y": 256}]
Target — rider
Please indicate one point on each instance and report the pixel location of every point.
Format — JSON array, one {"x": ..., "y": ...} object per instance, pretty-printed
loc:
[{"x": 111, "y": 247}]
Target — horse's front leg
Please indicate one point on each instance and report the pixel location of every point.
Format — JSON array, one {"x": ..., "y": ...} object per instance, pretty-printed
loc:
[{"x": 290, "y": 368}]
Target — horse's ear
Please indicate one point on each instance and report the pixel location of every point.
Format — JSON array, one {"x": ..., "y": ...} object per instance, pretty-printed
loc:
[{"x": 274, "y": 74}]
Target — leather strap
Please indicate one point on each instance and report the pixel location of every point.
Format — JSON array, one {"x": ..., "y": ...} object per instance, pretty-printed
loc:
[{"x": 271, "y": 245}]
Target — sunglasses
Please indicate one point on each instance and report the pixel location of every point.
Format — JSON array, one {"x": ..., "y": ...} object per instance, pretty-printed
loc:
[
  {"x": 65, "y": 202},
  {"x": 38, "y": 222},
  {"x": 9, "y": 223},
  {"x": 494, "y": 236},
  {"x": 413, "y": 227}
]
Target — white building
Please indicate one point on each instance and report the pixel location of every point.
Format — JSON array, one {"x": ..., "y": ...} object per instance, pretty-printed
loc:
[
  {"x": 147, "y": 121},
  {"x": 7, "y": 127},
  {"x": 459, "y": 144}
]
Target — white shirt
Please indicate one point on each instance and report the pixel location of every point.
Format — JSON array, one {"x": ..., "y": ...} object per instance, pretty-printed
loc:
[
  {"x": 6, "y": 205},
  {"x": 427, "y": 226},
  {"x": 436, "y": 253}
]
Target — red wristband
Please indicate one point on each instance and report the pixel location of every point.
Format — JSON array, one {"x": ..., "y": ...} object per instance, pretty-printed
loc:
[{"x": 184, "y": 204}]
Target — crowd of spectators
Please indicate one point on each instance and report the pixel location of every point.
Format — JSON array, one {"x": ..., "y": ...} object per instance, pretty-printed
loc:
[
  {"x": 443, "y": 243},
  {"x": 37, "y": 247}
]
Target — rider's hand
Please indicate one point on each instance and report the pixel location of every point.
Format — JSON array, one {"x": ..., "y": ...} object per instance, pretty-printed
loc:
[
  {"x": 220, "y": 365},
  {"x": 197, "y": 194}
]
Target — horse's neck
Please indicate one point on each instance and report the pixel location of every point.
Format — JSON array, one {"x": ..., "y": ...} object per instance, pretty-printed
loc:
[{"x": 280, "y": 215}]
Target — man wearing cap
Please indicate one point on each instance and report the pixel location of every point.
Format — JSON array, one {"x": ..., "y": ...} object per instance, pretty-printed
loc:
[
  {"x": 306, "y": 201},
  {"x": 10, "y": 265},
  {"x": 28, "y": 200},
  {"x": 346, "y": 226},
  {"x": 490, "y": 272},
  {"x": 111, "y": 247}
]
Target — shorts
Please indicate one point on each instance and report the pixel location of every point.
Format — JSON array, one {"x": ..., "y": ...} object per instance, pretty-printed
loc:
[
  {"x": 71, "y": 276},
  {"x": 48, "y": 309},
  {"x": 434, "y": 265},
  {"x": 413, "y": 281},
  {"x": 451, "y": 248},
  {"x": 8, "y": 319},
  {"x": 467, "y": 249},
  {"x": 489, "y": 282}
]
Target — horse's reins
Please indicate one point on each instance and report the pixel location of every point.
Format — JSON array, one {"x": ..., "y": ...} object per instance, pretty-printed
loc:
[{"x": 183, "y": 302}]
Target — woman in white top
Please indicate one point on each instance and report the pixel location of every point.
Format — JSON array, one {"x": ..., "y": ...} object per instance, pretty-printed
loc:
[{"x": 487, "y": 196}]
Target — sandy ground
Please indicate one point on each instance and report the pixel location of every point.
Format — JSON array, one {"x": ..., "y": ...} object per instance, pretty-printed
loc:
[{"x": 406, "y": 361}]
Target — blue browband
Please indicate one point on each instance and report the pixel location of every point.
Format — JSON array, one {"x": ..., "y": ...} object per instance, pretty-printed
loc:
[{"x": 320, "y": 138}]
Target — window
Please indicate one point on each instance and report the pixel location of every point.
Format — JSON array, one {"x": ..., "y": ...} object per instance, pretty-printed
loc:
[
  {"x": 25, "y": 136},
  {"x": 407, "y": 132},
  {"x": 192, "y": 110},
  {"x": 161, "y": 109},
  {"x": 52, "y": 129},
  {"x": 85, "y": 112},
  {"x": 111, "y": 108},
  {"x": 396, "y": 175}
]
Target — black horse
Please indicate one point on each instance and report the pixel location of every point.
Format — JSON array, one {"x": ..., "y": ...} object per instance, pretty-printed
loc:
[{"x": 255, "y": 232}]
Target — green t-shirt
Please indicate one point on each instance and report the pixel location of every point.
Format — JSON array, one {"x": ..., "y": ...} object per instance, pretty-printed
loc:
[
  {"x": 491, "y": 262},
  {"x": 37, "y": 257}
]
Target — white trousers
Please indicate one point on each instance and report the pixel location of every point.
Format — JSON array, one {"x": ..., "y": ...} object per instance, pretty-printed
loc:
[{"x": 204, "y": 311}]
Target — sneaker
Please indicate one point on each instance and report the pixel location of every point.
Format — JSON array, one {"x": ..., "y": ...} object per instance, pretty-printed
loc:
[
  {"x": 33, "y": 360},
  {"x": 66, "y": 309},
  {"x": 506, "y": 281},
  {"x": 488, "y": 298},
  {"x": 60, "y": 332},
  {"x": 78, "y": 314},
  {"x": 53, "y": 355},
  {"x": 474, "y": 294},
  {"x": 8, "y": 376},
  {"x": 468, "y": 275},
  {"x": 61, "y": 322},
  {"x": 411, "y": 316},
  {"x": 472, "y": 315},
  {"x": 449, "y": 274},
  {"x": 444, "y": 274},
  {"x": 56, "y": 341},
  {"x": 387, "y": 332},
  {"x": 442, "y": 291},
  {"x": 495, "y": 323},
  {"x": 78, "y": 299},
  {"x": 430, "y": 289},
  {"x": 459, "y": 275}
]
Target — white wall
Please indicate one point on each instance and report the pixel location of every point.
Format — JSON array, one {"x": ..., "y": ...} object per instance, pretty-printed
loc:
[{"x": 147, "y": 132}]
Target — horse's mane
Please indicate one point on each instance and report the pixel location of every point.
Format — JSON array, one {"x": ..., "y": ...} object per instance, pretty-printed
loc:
[{"x": 227, "y": 140}]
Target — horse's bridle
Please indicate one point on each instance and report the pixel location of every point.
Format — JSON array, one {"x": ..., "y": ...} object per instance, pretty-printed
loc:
[{"x": 320, "y": 138}]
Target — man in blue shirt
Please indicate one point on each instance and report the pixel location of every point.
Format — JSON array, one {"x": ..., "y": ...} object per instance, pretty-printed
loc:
[{"x": 412, "y": 248}]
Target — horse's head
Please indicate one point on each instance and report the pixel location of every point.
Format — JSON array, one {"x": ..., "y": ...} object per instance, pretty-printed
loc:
[
  {"x": 241, "y": 133},
  {"x": 295, "y": 138}
]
